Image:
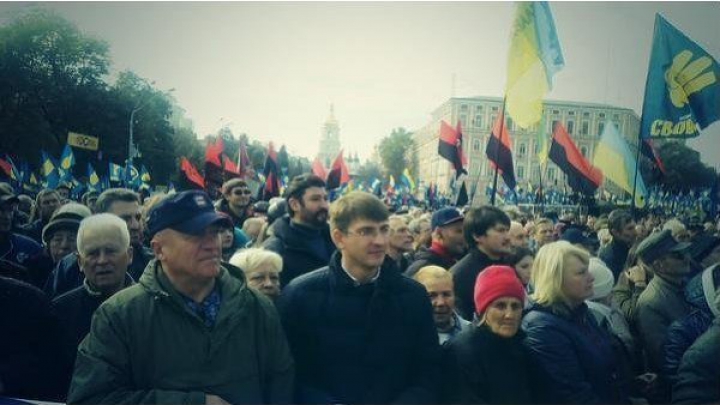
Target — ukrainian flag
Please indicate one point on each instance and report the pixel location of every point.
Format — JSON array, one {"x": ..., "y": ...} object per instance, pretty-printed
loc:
[
  {"x": 407, "y": 179},
  {"x": 144, "y": 175},
  {"x": 115, "y": 172},
  {"x": 534, "y": 58},
  {"x": 93, "y": 179},
  {"x": 614, "y": 159}
]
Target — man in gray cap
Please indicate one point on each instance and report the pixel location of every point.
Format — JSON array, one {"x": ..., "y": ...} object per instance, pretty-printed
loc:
[
  {"x": 189, "y": 331},
  {"x": 663, "y": 300}
]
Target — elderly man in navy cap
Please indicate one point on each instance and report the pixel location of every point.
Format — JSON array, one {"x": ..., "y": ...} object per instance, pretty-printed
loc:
[
  {"x": 663, "y": 300},
  {"x": 191, "y": 331},
  {"x": 448, "y": 242}
]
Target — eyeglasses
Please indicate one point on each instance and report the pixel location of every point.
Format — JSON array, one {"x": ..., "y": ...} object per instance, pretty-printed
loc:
[
  {"x": 242, "y": 191},
  {"x": 371, "y": 233}
]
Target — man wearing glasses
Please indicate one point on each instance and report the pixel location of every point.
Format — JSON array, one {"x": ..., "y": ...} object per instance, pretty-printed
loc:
[
  {"x": 235, "y": 201},
  {"x": 360, "y": 332}
]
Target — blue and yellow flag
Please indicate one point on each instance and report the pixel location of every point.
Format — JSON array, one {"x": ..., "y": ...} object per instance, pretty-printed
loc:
[
  {"x": 93, "y": 179},
  {"x": 48, "y": 165},
  {"x": 682, "y": 92},
  {"x": 407, "y": 179},
  {"x": 614, "y": 159},
  {"x": 67, "y": 160},
  {"x": 534, "y": 58},
  {"x": 144, "y": 175},
  {"x": 115, "y": 172}
]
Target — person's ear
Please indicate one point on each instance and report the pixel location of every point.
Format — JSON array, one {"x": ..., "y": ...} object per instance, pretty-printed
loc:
[{"x": 338, "y": 238}]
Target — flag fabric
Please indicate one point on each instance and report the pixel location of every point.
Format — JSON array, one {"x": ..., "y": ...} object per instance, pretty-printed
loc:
[
  {"x": 229, "y": 167},
  {"x": 462, "y": 196},
  {"x": 534, "y": 58},
  {"x": 499, "y": 150},
  {"x": 191, "y": 173},
  {"x": 213, "y": 152},
  {"x": 339, "y": 173},
  {"x": 376, "y": 187},
  {"x": 614, "y": 158},
  {"x": 682, "y": 92},
  {"x": 581, "y": 175},
  {"x": 93, "y": 179},
  {"x": 244, "y": 164},
  {"x": 649, "y": 151},
  {"x": 318, "y": 169},
  {"x": 115, "y": 172},
  {"x": 271, "y": 187},
  {"x": 49, "y": 165},
  {"x": 450, "y": 146},
  {"x": 144, "y": 175},
  {"x": 67, "y": 160},
  {"x": 6, "y": 167},
  {"x": 407, "y": 179}
]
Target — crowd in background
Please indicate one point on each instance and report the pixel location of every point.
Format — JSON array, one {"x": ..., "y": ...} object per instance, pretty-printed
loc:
[{"x": 180, "y": 299}]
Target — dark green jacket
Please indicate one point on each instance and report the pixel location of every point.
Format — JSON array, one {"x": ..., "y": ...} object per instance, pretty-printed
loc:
[{"x": 146, "y": 346}]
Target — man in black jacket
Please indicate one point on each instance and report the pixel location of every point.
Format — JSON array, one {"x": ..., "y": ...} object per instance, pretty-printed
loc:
[
  {"x": 622, "y": 228},
  {"x": 486, "y": 233},
  {"x": 302, "y": 238},
  {"x": 360, "y": 332},
  {"x": 448, "y": 243}
]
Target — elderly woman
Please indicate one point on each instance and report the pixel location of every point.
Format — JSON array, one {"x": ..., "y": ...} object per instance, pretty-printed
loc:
[
  {"x": 487, "y": 361},
  {"x": 574, "y": 358},
  {"x": 262, "y": 269}
]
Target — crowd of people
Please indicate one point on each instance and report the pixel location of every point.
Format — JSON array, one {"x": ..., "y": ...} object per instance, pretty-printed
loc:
[{"x": 177, "y": 298}]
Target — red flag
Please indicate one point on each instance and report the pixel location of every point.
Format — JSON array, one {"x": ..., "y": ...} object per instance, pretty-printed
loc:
[
  {"x": 582, "y": 176},
  {"x": 450, "y": 146},
  {"x": 318, "y": 169},
  {"x": 213, "y": 152},
  {"x": 191, "y": 173},
  {"x": 339, "y": 173},
  {"x": 6, "y": 167},
  {"x": 649, "y": 151},
  {"x": 499, "y": 151},
  {"x": 229, "y": 166}
]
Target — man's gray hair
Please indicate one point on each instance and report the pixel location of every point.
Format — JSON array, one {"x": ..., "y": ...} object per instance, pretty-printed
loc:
[{"x": 105, "y": 223}]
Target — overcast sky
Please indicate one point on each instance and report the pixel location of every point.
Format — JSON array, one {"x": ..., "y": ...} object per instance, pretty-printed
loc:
[{"x": 272, "y": 70}]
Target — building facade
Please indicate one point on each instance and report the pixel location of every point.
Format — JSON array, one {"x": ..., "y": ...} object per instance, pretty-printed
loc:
[
  {"x": 329, "y": 140},
  {"x": 584, "y": 122}
]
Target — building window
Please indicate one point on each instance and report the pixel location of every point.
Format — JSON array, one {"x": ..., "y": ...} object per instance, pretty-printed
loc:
[
  {"x": 586, "y": 114},
  {"x": 476, "y": 145},
  {"x": 601, "y": 128},
  {"x": 463, "y": 120},
  {"x": 552, "y": 126},
  {"x": 479, "y": 108},
  {"x": 535, "y": 174},
  {"x": 583, "y": 150},
  {"x": 522, "y": 150},
  {"x": 556, "y": 112},
  {"x": 492, "y": 120},
  {"x": 495, "y": 108},
  {"x": 601, "y": 115},
  {"x": 571, "y": 127},
  {"x": 478, "y": 121},
  {"x": 571, "y": 113},
  {"x": 521, "y": 172},
  {"x": 585, "y": 130},
  {"x": 463, "y": 107},
  {"x": 551, "y": 173},
  {"x": 510, "y": 124},
  {"x": 536, "y": 147},
  {"x": 616, "y": 117}
]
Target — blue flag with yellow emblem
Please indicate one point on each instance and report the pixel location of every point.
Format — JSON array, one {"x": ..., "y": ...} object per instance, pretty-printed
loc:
[{"x": 682, "y": 91}]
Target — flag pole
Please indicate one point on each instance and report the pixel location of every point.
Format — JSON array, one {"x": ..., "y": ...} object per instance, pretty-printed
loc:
[
  {"x": 637, "y": 168},
  {"x": 497, "y": 152}
]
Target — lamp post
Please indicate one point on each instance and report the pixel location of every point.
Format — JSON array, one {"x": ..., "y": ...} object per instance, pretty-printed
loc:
[{"x": 139, "y": 106}]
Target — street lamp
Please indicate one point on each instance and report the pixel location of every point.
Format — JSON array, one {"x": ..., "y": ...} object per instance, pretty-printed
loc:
[{"x": 139, "y": 106}]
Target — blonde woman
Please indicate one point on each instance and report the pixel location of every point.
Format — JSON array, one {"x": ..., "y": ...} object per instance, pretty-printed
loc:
[
  {"x": 262, "y": 269},
  {"x": 574, "y": 357}
]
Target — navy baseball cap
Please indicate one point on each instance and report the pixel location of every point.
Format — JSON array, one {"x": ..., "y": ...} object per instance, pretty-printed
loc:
[
  {"x": 445, "y": 216},
  {"x": 188, "y": 212}
]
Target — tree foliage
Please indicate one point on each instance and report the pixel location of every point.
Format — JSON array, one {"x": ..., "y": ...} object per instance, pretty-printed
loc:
[
  {"x": 396, "y": 153},
  {"x": 684, "y": 168}
]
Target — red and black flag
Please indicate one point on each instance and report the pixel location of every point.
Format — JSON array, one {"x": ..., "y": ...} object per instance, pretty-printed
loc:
[
  {"x": 229, "y": 167},
  {"x": 462, "y": 196},
  {"x": 649, "y": 151},
  {"x": 499, "y": 151},
  {"x": 213, "y": 153},
  {"x": 271, "y": 187},
  {"x": 191, "y": 174},
  {"x": 318, "y": 169},
  {"x": 582, "y": 176},
  {"x": 339, "y": 173},
  {"x": 450, "y": 147}
]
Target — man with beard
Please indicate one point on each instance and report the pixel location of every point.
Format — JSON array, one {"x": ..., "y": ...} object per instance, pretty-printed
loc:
[
  {"x": 125, "y": 204},
  {"x": 448, "y": 243},
  {"x": 439, "y": 285},
  {"x": 235, "y": 201},
  {"x": 486, "y": 233},
  {"x": 400, "y": 243},
  {"x": 302, "y": 238}
]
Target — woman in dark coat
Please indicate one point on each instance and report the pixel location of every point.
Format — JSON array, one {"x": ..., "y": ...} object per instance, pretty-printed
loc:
[
  {"x": 487, "y": 361},
  {"x": 572, "y": 356}
]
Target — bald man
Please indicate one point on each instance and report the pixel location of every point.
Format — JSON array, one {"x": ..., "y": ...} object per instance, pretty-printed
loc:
[{"x": 439, "y": 285}]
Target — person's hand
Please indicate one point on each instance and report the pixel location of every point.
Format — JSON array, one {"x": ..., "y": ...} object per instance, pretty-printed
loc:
[
  {"x": 214, "y": 400},
  {"x": 637, "y": 275}
]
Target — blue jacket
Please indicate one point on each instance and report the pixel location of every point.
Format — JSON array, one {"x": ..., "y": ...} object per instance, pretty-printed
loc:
[
  {"x": 572, "y": 357},
  {"x": 698, "y": 377},
  {"x": 373, "y": 343}
]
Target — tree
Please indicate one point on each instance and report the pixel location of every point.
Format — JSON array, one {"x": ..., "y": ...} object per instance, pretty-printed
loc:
[
  {"x": 396, "y": 152},
  {"x": 369, "y": 171},
  {"x": 283, "y": 159},
  {"x": 684, "y": 168}
]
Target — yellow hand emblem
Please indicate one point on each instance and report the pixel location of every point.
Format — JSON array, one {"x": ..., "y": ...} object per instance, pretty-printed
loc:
[{"x": 684, "y": 78}]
